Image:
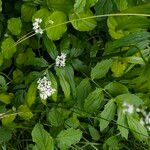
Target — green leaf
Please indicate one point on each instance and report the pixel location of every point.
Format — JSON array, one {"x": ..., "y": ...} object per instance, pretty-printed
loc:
[
  {"x": 27, "y": 11},
  {"x": 81, "y": 22},
  {"x": 138, "y": 130},
  {"x": 17, "y": 76},
  {"x": 31, "y": 94},
  {"x": 61, "y": 5},
  {"x": 83, "y": 89},
  {"x": 116, "y": 88},
  {"x": 94, "y": 133},
  {"x": 129, "y": 98},
  {"x": 42, "y": 138},
  {"x": 5, "y": 135},
  {"x": 129, "y": 40},
  {"x": 79, "y": 5},
  {"x": 107, "y": 114},
  {"x": 6, "y": 98},
  {"x": 122, "y": 124},
  {"x": 25, "y": 112},
  {"x": 121, "y": 4},
  {"x": 8, "y": 48},
  {"x": 68, "y": 137},
  {"x": 50, "y": 47},
  {"x": 56, "y": 29},
  {"x": 3, "y": 85},
  {"x": 101, "y": 69},
  {"x": 1, "y": 59},
  {"x": 63, "y": 82},
  {"x": 91, "y": 3},
  {"x": 0, "y": 5},
  {"x": 55, "y": 118},
  {"x": 15, "y": 25},
  {"x": 94, "y": 100}
]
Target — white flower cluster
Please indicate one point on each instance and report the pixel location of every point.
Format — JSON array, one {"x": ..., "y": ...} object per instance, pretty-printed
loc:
[
  {"x": 128, "y": 108},
  {"x": 44, "y": 87},
  {"x": 61, "y": 60},
  {"x": 37, "y": 27},
  {"x": 145, "y": 120}
]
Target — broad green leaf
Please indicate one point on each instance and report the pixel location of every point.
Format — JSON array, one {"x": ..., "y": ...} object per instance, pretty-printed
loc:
[
  {"x": 7, "y": 120},
  {"x": 17, "y": 76},
  {"x": 116, "y": 88},
  {"x": 122, "y": 124},
  {"x": 68, "y": 137},
  {"x": 107, "y": 114},
  {"x": 24, "y": 112},
  {"x": 141, "y": 9},
  {"x": 56, "y": 29},
  {"x": 121, "y": 4},
  {"x": 79, "y": 5},
  {"x": 8, "y": 48},
  {"x": 83, "y": 21},
  {"x": 101, "y": 69},
  {"x": 61, "y": 5},
  {"x": 50, "y": 47},
  {"x": 54, "y": 85},
  {"x": 5, "y": 135},
  {"x": 42, "y": 138},
  {"x": 31, "y": 94},
  {"x": 63, "y": 81},
  {"x": 55, "y": 118},
  {"x": 129, "y": 40},
  {"x": 94, "y": 100},
  {"x": 27, "y": 11},
  {"x": 129, "y": 98},
  {"x": 3, "y": 85},
  {"x": 94, "y": 133},
  {"x": 83, "y": 89},
  {"x": 118, "y": 68},
  {"x": 72, "y": 122},
  {"x": 15, "y": 25},
  {"x": 70, "y": 76},
  {"x": 138, "y": 130},
  {"x": 6, "y": 98}
]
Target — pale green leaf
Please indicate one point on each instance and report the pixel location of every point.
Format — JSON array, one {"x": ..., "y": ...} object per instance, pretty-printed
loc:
[
  {"x": 79, "y": 5},
  {"x": 6, "y": 98},
  {"x": 3, "y": 85},
  {"x": 94, "y": 133}
]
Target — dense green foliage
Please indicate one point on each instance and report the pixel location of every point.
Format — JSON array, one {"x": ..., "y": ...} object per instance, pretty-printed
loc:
[{"x": 101, "y": 95}]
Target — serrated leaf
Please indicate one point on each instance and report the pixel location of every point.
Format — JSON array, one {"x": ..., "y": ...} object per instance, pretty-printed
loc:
[
  {"x": 138, "y": 130},
  {"x": 79, "y": 5},
  {"x": 116, "y": 88},
  {"x": 25, "y": 112},
  {"x": 15, "y": 25},
  {"x": 31, "y": 94},
  {"x": 107, "y": 114},
  {"x": 68, "y": 137},
  {"x": 3, "y": 85},
  {"x": 8, "y": 48},
  {"x": 42, "y": 138},
  {"x": 56, "y": 29},
  {"x": 94, "y": 100},
  {"x": 63, "y": 82},
  {"x": 80, "y": 23},
  {"x": 101, "y": 69},
  {"x": 50, "y": 47},
  {"x": 55, "y": 118},
  {"x": 122, "y": 124},
  {"x": 129, "y": 98},
  {"x": 121, "y": 4},
  {"x": 5, "y": 135}
]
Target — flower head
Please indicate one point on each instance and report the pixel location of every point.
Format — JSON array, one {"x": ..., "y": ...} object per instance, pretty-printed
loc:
[
  {"x": 44, "y": 87},
  {"x": 128, "y": 108},
  {"x": 61, "y": 60},
  {"x": 36, "y": 26}
]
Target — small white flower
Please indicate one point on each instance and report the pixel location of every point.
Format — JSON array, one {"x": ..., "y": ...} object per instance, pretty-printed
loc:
[
  {"x": 37, "y": 27},
  {"x": 142, "y": 121},
  {"x": 51, "y": 22},
  {"x": 128, "y": 108},
  {"x": 44, "y": 87},
  {"x": 61, "y": 60}
]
